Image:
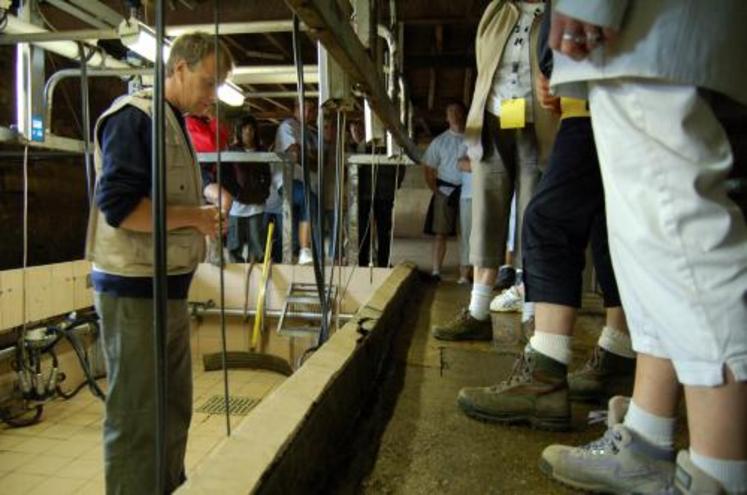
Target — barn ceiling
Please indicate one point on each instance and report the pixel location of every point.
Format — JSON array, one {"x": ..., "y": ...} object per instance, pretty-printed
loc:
[{"x": 438, "y": 37}]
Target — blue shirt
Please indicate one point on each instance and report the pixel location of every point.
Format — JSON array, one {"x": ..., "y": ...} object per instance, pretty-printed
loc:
[{"x": 124, "y": 181}]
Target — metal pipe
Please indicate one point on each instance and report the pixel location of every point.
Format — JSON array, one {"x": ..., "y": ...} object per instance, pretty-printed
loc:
[
  {"x": 86, "y": 112},
  {"x": 160, "y": 280},
  {"x": 275, "y": 313},
  {"x": 89, "y": 35},
  {"x": 68, "y": 49},
  {"x": 256, "y": 27},
  {"x": 385, "y": 33},
  {"x": 58, "y": 76},
  {"x": 273, "y": 74}
]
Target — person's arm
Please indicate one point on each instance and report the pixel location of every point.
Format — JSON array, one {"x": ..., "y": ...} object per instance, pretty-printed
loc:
[
  {"x": 203, "y": 218},
  {"x": 431, "y": 162},
  {"x": 464, "y": 164},
  {"x": 545, "y": 99},
  {"x": 606, "y": 13},
  {"x": 212, "y": 193},
  {"x": 578, "y": 27},
  {"x": 124, "y": 184},
  {"x": 430, "y": 177}
]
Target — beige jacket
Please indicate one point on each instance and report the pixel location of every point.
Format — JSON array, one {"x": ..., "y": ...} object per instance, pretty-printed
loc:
[
  {"x": 127, "y": 253},
  {"x": 495, "y": 27}
]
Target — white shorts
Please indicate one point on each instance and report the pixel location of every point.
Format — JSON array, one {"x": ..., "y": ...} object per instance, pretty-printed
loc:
[{"x": 678, "y": 243}]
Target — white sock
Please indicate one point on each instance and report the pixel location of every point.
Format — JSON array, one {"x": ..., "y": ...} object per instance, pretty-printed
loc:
[
  {"x": 731, "y": 474},
  {"x": 527, "y": 312},
  {"x": 479, "y": 302},
  {"x": 657, "y": 430},
  {"x": 552, "y": 345},
  {"x": 436, "y": 272},
  {"x": 617, "y": 342}
]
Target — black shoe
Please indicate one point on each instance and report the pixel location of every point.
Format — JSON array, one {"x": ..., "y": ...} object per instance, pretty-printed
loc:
[{"x": 506, "y": 277}]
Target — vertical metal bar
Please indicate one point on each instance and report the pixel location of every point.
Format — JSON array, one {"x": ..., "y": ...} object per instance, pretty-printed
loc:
[
  {"x": 219, "y": 172},
  {"x": 353, "y": 227},
  {"x": 160, "y": 281},
  {"x": 86, "y": 111},
  {"x": 287, "y": 212}
]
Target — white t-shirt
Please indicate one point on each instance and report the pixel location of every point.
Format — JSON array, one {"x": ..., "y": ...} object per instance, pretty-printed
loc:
[
  {"x": 513, "y": 77},
  {"x": 239, "y": 209},
  {"x": 288, "y": 134},
  {"x": 443, "y": 155},
  {"x": 466, "y": 185}
]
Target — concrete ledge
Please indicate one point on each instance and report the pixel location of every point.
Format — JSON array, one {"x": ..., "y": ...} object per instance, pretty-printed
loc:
[{"x": 289, "y": 440}]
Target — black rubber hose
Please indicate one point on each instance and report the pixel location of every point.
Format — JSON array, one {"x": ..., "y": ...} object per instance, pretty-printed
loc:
[
  {"x": 318, "y": 275},
  {"x": 83, "y": 359}
]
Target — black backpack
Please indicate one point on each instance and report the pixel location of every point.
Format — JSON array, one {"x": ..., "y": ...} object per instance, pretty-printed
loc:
[{"x": 253, "y": 180}]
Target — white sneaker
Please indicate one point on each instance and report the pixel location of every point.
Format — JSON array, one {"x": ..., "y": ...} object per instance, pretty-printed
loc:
[
  {"x": 463, "y": 281},
  {"x": 509, "y": 301},
  {"x": 305, "y": 257}
]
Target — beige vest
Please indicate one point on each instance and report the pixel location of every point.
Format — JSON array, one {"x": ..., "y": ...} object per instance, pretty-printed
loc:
[
  {"x": 495, "y": 27},
  {"x": 127, "y": 253}
]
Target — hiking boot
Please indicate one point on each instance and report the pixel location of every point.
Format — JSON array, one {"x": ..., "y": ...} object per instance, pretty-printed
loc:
[
  {"x": 464, "y": 327},
  {"x": 619, "y": 462},
  {"x": 690, "y": 479},
  {"x": 604, "y": 375},
  {"x": 536, "y": 393}
]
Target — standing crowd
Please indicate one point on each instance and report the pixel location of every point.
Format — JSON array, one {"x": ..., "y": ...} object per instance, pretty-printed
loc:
[
  {"x": 619, "y": 126},
  {"x": 615, "y": 124}
]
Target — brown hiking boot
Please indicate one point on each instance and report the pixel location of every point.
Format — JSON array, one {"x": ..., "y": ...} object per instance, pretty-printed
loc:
[
  {"x": 604, "y": 375},
  {"x": 464, "y": 327},
  {"x": 536, "y": 393}
]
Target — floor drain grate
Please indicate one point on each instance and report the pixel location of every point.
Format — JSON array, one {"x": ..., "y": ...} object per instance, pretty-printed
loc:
[{"x": 237, "y": 406}]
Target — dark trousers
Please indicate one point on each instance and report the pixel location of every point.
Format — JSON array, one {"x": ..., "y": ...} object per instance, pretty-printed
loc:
[
  {"x": 382, "y": 220},
  {"x": 565, "y": 214}
]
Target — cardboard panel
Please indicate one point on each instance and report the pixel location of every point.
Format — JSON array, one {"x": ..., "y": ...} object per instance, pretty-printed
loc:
[
  {"x": 11, "y": 298},
  {"x": 62, "y": 289},
  {"x": 82, "y": 292},
  {"x": 38, "y": 293}
]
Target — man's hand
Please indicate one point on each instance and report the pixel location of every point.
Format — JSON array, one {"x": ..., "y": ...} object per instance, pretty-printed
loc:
[
  {"x": 546, "y": 100},
  {"x": 206, "y": 219},
  {"x": 464, "y": 164},
  {"x": 576, "y": 38}
]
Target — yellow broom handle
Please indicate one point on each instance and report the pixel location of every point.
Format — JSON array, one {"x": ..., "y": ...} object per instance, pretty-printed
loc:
[{"x": 262, "y": 285}]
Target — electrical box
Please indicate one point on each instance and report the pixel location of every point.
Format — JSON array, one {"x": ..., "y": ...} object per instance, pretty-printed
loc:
[
  {"x": 375, "y": 131},
  {"x": 335, "y": 89}
]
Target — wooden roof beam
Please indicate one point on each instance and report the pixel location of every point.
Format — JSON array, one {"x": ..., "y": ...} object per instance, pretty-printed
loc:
[{"x": 326, "y": 25}]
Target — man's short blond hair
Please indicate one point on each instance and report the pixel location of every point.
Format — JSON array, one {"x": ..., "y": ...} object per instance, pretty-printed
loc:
[{"x": 193, "y": 48}]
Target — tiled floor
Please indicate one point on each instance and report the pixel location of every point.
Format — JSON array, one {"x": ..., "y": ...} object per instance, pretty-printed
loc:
[{"x": 62, "y": 454}]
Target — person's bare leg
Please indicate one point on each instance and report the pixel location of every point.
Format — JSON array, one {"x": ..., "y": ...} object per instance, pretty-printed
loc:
[
  {"x": 554, "y": 318},
  {"x": 616, "y": 319},
  {"x": 718, "y": 435},
  {"x": 485, "y": 276},
  {"x": 656, "y": 389},
  {"x": 439, "y": 252},
  {"x": 717, "y": 419},
  {"x": 304, "y": 235},
  {"x": 464, "y": 271}
]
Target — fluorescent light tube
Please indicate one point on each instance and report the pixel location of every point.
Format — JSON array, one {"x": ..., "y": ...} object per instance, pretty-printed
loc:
[
  {"x": 230, "y": 94},
  {"x": 141, "y": 39}
]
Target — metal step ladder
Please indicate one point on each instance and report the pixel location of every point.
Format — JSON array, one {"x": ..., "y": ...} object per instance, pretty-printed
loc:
[{"x": 302, "y": 302}]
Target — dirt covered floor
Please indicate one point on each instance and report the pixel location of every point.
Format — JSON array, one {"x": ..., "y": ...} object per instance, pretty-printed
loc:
[{"x": 415, "y": 440}]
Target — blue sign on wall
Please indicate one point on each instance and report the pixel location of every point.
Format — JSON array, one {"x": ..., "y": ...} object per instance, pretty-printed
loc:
[{"x": 37, "y": 129}]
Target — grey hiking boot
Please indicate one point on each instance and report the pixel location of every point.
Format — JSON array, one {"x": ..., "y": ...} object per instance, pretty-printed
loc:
[
  {"x": 619, "y": 462},
  {"x": 536, "y": 393},
  {"x": 604, "y": 375},
  {"x": 464, "y": 327},
  {"x": 690, "y": 479}
]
